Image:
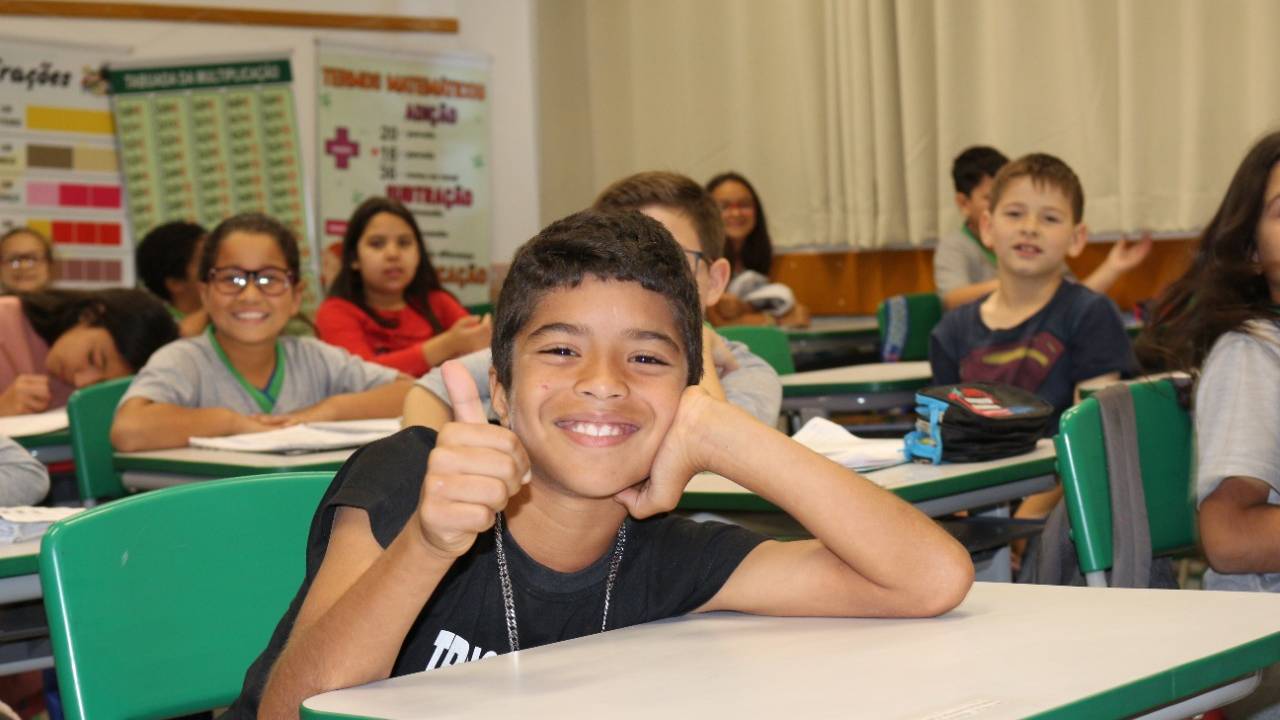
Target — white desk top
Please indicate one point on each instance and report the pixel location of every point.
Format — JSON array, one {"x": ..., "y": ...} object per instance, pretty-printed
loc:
[
  {"x": 896, "y": 477},
  {"x": 1009, "y": 651},
  {"x": 858, "y": 374},
  {"x": 30, "y": 548},
  {"x": 835, "y": 325}
]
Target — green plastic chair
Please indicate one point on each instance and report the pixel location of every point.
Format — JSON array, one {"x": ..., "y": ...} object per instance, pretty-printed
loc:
[
  {"x": 1165, "y": 447},
  {"x": 480, "y": 309},
  {"x": 770, "y": 343},
  {"x": 158, "y": 603},
  {"x": 90, "y": 411},
  {"x": 904, "y": 322}
]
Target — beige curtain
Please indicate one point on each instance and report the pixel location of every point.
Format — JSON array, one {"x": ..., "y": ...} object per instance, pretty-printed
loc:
[{"x": 846, "y": 113}]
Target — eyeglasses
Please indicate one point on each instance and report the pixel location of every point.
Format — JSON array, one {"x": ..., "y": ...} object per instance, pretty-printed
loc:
[
  {"x": 24, "y": 262},
  {"x": 696, "y": 255},
  {"x": 233, "y": 280}
]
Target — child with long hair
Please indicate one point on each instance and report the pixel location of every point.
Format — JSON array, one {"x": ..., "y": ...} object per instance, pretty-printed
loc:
[
  {"x": 1221, "y": 317},
  {"x": 241, "y": 375},
  {"x": 749, "y": 250},
  {"x": 386, "y": 304}
]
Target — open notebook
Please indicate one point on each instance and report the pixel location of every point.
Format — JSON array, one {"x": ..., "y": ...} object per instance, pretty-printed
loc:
[{"x": 308, "y": 437}]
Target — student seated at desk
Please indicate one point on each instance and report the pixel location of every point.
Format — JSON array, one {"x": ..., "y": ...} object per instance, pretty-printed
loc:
[
  {"x": 26, "y": 261},
  {"x": 24, "y": 480},
  {"x": 241, "y": 375},
  {"x": 730, "y": 370},
  {"x": 55, "y": 341},
  {"x": 1036, "y": 330},
  {"x": 433, "y": 549},
  {"x": 386, "y": 304},
  {"x": 1223, "y": 314},
  {"x": 964, "y": 268},
  {"x": 168, "y": 264}
]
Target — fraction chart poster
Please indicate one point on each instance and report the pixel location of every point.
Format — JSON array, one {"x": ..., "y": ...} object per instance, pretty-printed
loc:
[
  {"x": 202, "y": 140},
  {"x": 58, "y": 168},
  {"x": 414, "y": 128}
]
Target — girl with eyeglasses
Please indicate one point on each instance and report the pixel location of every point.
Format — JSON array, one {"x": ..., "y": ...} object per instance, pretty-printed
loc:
[
  {"x": 243, "y": 375},
  {"x": 387, "y": 304},
  {"x": 26, "y": 261},
  {"x": 55, "y": 341}
]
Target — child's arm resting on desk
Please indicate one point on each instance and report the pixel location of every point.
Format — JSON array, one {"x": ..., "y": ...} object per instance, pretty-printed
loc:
[
  {"x": 874, "y": 555},
  {"x": 364, "y": 598},
  {"x": 383, "y": 401},
  {"x": 1239, "y": 529},
  {"x": 144, "y": 424}
]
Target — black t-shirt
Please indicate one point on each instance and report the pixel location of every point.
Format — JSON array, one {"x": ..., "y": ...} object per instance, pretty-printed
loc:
[
  {"x": 669, "y": 567},
  {"x": 1078, "y": 335}
]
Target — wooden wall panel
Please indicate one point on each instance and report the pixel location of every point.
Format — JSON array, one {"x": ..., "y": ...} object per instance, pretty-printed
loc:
[{"x": 852, "y": 283}]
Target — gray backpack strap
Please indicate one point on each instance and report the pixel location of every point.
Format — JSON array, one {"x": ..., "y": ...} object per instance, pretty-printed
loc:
[{"x": 1130, "y": 530}]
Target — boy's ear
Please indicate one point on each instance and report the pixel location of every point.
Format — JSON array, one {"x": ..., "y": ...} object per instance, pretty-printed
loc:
[
  {"x": 717, "y": 281},
  {"x": 962, "y": 203},
  {"x": 1079, "y": 238},
  {"x": 984, "y": 230},
  {"x": 175, "y": 286},
  {"x": 298, "y": 287},
  {"x": 498, "y": 398}
]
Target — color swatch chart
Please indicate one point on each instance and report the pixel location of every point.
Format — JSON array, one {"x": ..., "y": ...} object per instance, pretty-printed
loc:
[
  {"x": 203, "y": 142},
  {"x": 59, "y": 172}
]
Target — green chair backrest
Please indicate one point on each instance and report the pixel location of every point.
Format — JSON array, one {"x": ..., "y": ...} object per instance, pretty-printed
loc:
[
  {"x": 1165, "y": 451},
  {"x": 919, "y": 312},
  {"x": 770, "y": 343},
  {"x": 159, "y": 602},
  {"x": 480, "y": 309},
  {"x": 90, "y": 411}
]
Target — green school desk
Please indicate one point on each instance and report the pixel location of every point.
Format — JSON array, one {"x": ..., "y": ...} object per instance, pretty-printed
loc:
[
  {"x": 1098, "y": 653},
  {"x": 155, "y": 469},
  {"x": 47, "y": 447},
  {"x": 834, "y": 341},
  {"x": 853, "y": 388},
  {"x": 934, "y": 489},
  {"x": 20, "y": 583}
]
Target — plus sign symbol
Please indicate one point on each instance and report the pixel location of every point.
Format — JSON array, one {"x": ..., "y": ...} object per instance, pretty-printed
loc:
[{"x": 342, "y": 148}]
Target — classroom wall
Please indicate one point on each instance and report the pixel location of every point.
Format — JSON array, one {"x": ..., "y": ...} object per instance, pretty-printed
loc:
[
  {"x": 499, "y": 29},
  {"x": 854, "y": 283}
]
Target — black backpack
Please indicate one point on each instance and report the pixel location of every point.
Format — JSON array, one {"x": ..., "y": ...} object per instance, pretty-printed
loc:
[{"x": 968, "y": 422}]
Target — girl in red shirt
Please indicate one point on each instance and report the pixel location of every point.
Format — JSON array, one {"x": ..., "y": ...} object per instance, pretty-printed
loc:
[{"x": 386, "y": 304}]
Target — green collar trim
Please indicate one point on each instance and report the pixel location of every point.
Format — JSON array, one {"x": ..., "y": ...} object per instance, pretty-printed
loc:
[
  {"x": 985, "y": 250},
  {"x": 266, "y": 400}
]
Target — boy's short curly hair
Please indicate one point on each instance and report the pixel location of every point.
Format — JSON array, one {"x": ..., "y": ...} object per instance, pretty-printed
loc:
[
  {"x": 625, "y": 246},
  {"x": 1043, "y": 169}
]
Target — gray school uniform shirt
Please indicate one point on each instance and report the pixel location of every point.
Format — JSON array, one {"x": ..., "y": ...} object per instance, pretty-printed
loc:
[
  {"x": 754, "y": 386},
  {"x": 959, "y": 261},
  {"x": 1238, "y": 426},
  {"x": 24, "y": 480},
  {"x": 189, "y": 373}
]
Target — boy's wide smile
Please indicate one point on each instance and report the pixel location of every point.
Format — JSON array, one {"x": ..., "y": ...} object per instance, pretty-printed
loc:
[{"x": 597, "y": 432}]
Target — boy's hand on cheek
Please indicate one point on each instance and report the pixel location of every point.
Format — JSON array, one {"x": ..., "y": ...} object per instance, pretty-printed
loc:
[
  {"x": 472, "y": 472},
  {"x": 680, "y": 456}
]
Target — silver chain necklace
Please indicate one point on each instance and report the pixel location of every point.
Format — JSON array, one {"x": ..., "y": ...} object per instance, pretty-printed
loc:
[{"x": 508, "y": 597}]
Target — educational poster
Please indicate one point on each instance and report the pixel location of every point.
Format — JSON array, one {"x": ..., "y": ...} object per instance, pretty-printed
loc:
[
  {"x": 201, "y": 140},
  {"x": 58, "y": 168},
  {"x": 415, "y": 128}
]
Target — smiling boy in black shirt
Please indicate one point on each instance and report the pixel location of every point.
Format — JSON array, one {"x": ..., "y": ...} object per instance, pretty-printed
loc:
[{"x": 549, "y": 527}]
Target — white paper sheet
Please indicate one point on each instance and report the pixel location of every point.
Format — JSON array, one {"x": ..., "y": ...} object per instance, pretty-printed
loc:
[
  {"x": 308, "y": 437},
  {"x": 22, "y": 523},
  {"x": 862, "y": 454},
  {"x": 17, "y": 426}
]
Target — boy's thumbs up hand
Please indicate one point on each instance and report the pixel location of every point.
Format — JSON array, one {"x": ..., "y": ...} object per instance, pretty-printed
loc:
[{"x": 472, "y": 472}]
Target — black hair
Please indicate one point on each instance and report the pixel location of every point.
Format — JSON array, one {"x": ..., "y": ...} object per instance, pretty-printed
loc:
[
  {"x": 1223, "y": 288},
  {"x": 252, "y": 222},
  {"x": 349, "y": 284},
  {"x": 626, "y": 246},
  {"x": 756, "y": 252},
  {"x": 974, "y": 164},
  {"x": 164, "y": 254},
  {"x": 137, "y": 321}
]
